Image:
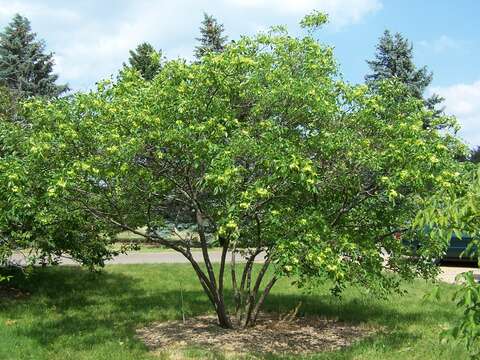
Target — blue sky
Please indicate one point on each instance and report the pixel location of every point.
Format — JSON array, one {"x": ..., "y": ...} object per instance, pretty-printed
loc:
[{"x": 91, "y": 39}]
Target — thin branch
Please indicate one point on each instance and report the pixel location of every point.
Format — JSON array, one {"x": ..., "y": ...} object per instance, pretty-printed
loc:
[
  {"x": 222, "y": 268},
  {"x": 260, "y": 301},
  {"x": 248, "y": 265},
  {"x": 236, "y": 293},
  {"x": 204, "y": 246}
]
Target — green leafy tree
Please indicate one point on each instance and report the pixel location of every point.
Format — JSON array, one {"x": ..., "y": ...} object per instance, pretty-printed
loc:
[
  {"x": 314, "y": 187},
  {"x": 211, "y": 37},
  {"x": 30, "y": 222},
  {"x": 146, "y": 60},
  {"x": 25, "y": 68},
  {"x": 394, "y": 59}
]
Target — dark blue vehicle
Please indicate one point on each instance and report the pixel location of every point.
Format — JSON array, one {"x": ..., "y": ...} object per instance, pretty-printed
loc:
[{"x": 456, "y": 249}]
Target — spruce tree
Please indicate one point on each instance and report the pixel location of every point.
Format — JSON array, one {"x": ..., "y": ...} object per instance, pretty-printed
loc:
[
  {"x": 146, "y": 60},
  {"x": 475, "y": 155},
  {"x": 8, "y": 108},
  {"x": 211, "y": 37},
  {"x": 394, "y": 59},
  {"x": 25, "y": 68}
]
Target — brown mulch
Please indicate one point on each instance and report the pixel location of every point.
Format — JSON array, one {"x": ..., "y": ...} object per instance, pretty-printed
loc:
[
  {"x": 9, "y": 293},
  {"x": 300, "y": 336}
]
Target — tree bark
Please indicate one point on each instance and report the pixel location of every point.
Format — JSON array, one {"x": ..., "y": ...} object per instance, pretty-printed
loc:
[
  {"x": 213, "y": 294},
  {"x": 260, "y": 301},
  {"x": 216, "y": 292},
  {"x": 251, "y": 305}
]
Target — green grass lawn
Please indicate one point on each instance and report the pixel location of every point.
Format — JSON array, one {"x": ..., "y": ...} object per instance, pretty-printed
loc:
[{"x": 74, "y": 314}]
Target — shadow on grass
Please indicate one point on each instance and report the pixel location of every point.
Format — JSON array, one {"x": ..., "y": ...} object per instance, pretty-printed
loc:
[
  {"x": 357, "y": 309},
  {"x": 89, "y": 309}
]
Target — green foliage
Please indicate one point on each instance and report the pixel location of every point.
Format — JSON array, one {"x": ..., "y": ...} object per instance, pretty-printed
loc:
[
  {"x": 314, "y": 20},
  {"x": 468, "y": 300},
  {"x": 457, "y": 212},
  {"x": 394, "y": 59},
  {"x": 8, "y": 106},
  {"x": 4, "y": 278},
  {"x": 146, "y": 60},
  {"x": 29, "y": 219},
  {"x": 211, "y": 37},
  {"x": 24, "y": 67}
]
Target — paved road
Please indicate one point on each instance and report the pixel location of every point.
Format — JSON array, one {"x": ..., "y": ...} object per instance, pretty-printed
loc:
[
  {"x": 449, "y": 271},
  {"x": 165, "y": 257}
]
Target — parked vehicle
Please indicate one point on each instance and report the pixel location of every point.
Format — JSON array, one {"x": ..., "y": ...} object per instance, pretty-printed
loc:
[{"x": 455, "y": 251}]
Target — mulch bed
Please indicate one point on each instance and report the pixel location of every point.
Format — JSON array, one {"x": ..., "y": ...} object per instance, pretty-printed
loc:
[
  {"x": 300, "y": 336},
  {"x": 11, "y": 293}
]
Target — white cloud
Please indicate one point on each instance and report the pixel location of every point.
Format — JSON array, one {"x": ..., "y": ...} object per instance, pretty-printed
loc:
[
  {"x": 10, "y": 8},
  {"x": 463, "y": 101},
  {"x": 91, "y": 39},
  {"x": 442, "y": 44},
  {"x": 341, "y": 12},
  {"x": 89, "y": 47}
]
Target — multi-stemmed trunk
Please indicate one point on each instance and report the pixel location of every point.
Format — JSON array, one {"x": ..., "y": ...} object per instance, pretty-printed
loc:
[
  {"x": 248, "y": 298},
  {"x": 247, "y": 295}
]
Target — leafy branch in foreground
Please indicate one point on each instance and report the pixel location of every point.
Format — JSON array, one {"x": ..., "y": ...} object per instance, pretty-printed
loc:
[
  {"x": 457, "y": 211},
  {"x": 468, "y": 329}
]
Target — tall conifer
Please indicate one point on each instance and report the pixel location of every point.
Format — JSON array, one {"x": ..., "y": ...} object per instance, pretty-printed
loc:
[
  {"x": 146, "y": 60},
  {"x": 394, "y": 59},
  {"x": 25, "y": 68},
  {"x": 211, "y": 37}
]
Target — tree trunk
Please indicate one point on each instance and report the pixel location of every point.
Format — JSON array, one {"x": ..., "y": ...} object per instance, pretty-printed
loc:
[
  {"x": 223, "y": 318},
  {"x": 215, "y": 297},
  {"x": 248, "y": 301}
]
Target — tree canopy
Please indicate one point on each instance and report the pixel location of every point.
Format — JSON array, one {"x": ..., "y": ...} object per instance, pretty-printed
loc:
[
  {"x": 29, "y": 220},
  {"x": 261, "y": 145},
  {"x": 25, "y": 68}
]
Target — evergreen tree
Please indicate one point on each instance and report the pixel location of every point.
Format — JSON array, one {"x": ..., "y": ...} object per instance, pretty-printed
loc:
[
  {"x": 211, "y": 37},
  {"x": 394, "y": 59},
  {"x": 475, "y": 155},
  {"x": 25, "y": 68},
  {"x": 8, "y": 108},
  {"x": 146, "y": 60}
]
